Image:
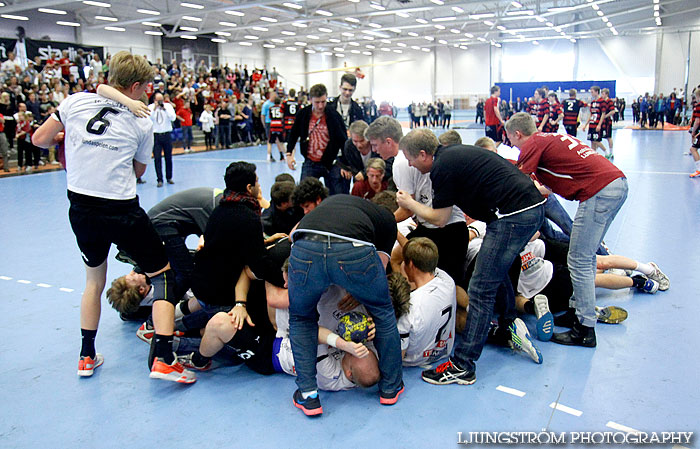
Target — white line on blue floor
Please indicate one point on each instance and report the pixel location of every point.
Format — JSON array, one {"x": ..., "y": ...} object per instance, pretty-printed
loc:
[
  {"x": 565, "y": 409},
  {"x": 23, "y": 281},
  {"x": 678, "y": 446},
  {"x": 622, "y": 428},
  {"x": 224, "y": 160},
  {"x": 5, "y": 278},
  {"x": 657, "y": 172},
  {"x": 512, "y": 391}
]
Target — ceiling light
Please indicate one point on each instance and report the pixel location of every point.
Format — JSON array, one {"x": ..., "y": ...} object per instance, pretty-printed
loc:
[
  {"x": 251, "y": 37},
  {"x": 482, "y": 16},
  {"x": 405, "y": 15},
  {"x": 191, "y": 19},
  {"x": 52, "y": 11},
  {"x": 268, "y": 46},
  {"x": 352, "y": 19},
  {"x": 339, "y": 55},
  {"x": 457, "y": 9},
  {"x": 609, "y": 24},
  {"x": 516, "y": 4},
  {"x": 415, "y": 47},
  {"x": 464, "y": 47},
  {"x": 604, "y": 19},
  {"x": 601, "y": 14},
  {"x": 573, "y": 41},
  {"x": 322, "y": 12},
  {"x": 292, "y": 5},
  {"x": 222, "y": 33},
  {"x": 385, "y": 49},
  {"x": 401, "y": 44},
  {"x": 412, "y": 33},
  {"x": 656, "y": 1},
  {"x": 225, "y": 24},
  {"x": 423, "y": 21},
  {"x": 442, "y": 41},
  {"x": 325, "y": 30},
  {"x": 108, "y": 19},
  {"x": 501, "y": 27},
  {"x": 245, "y": 44},
  {"x": 376, "y": 6},
  {"x": 299, "y": 25},
  {"x": 233, "y": 12},
  {"x": 454, "y": 31},
  {"x": 268, "y": 19},
  {"x": 497, "y": 45},
  {"x": 656, "y": 13},
  {"x": 334, "y": 40},
  {"x": 68, "y": 24},
  {"x": 148, "y": 11},
  {"x": 444, "y": 19},
  {"x": 353, "y": 44},
  {"x": 347, "y": 34},
  {"x": 150, "y": 24},
  {"x": 481, "y": 39},
  {"x": 153, "y": 33},
  {"x": 192, "y": 5},
  {"x": 371, "y": 47},
  {"x": 355, "y": 52},
  {"x": 368, "y": 38},
  {"x": 308, "y": 50},
  {"x": 374, "y": 25},
  {"x": 219, "y": 40},
  {"x": 656, "y": 7},
  {"x": 261, "y": 29},
  {"x": 386, "y": 41},
  {"x": 338, "y": 49},
  {"x": 535, "y": 43},
  {"x": 277, "y": 41},
  {"x": 313, "y": 36},
  {"x": 291, "y": 48},
  {"x": 526, "y": 12},
  {"x": 188, "y": 37},
  {"x": 288, "y": 33},
  {"x": 189, "y": 29},
  {"x": 400, "y": 51},
  {"x": 439, "y": 27},
  {"x": 488, "y": 23},
  {"x": 549, "y": 24},
  {"x": 367, "y": 53},
  {"x": 115, "y": 29},
  {"x": 438, "y": 2},
  {"x": 427, "y": 50},
  {"x": 469, "y": 35},
  {"x": 300, "y": 44},
  {"x": 595, "y": 6},
  {"x": 98, "y": 4},
  {"x": 540, "y": 19},
  {"x": 429, "y": 38}
]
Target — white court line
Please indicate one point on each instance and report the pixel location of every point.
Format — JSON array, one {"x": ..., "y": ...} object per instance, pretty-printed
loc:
[
  {"x": 224, "y": 160},
  {"x": 620, "y": 427},
  {"x": 657, "y": 172},
  {"x": 678, "y": 446},
  {"x": 22, "y": 281},
  {"x": 512, "y": 391},
  {"x": 5, "y": 278},
  {"x": 565, "y": 409},
  {"x": 44, "y": 285},
  {"x": 67, "y": 290}
]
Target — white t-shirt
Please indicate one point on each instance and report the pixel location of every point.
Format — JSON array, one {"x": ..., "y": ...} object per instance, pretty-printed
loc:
[
  {"x": 427, "y": 331},
  {"x": 411, "y": 181},
  {"x": 206, "y": 118},
  {"x": 535, "y": 272},
  {"x": 102, "y": 141},
  {"x": 329, "y": 366}
]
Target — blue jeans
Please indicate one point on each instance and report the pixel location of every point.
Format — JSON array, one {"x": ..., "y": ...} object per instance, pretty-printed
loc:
[
  {"x": 504, "y": 240},
  {"x": 331, "y": 178},
  {"x": 187, "y": 136},
  {"x": 163, "y": 147},
  {"x": 554, "y": 211},
  {"x": 592, "y": 221},
  {"x": 224, "y": 135},
  {"x": 313, "y": 266}
]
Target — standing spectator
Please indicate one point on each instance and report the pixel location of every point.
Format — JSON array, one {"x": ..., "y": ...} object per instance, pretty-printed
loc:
[
  {"x": 223, "y": 118},
  {"x": 8, "y": 109},
  {"x": 184, "y": 114},
  {"x": 480, "y": 108},
  {"x": 448, "y": 114},
  {"x": 661, "y": 110},
  {"x": 25, "y": 150},
  {"x": 96, "y": 64},
  {"x": 162, "y": 116},
  {"x": 494, "y": 120},
  {"x": 207, "y": 121},
  {"x": 321, "y": 132},
  {"x": 348, "y": 108},
  {"x": 64, "y": 63},
  {"x": 4, "y": 146},
  {"x": 265, "y": 116}
]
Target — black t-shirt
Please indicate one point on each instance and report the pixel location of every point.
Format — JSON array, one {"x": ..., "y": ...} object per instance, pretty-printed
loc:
[
  {"x": 355, "y": 218},
  {"x": 480, "y": 182},
  {"x": 233, "y": 239}
]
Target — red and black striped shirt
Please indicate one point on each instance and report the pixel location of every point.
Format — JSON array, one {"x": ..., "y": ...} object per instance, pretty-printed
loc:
[
  {"x": 572, "y": 106},
  {"x": 276, "y": 124},
  {"x": 598, "y": 109}
]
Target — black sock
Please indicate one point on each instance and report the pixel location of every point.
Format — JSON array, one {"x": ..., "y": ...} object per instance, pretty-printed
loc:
[
  {"x": 639, "y": 281},
  {"x": 164, "y": 348},
  {"x": 185, "y": 307},
  {"x": 199, "y": 360},
  {"x": 88, "y": 349},
  {"x": 530, "y": 307}
]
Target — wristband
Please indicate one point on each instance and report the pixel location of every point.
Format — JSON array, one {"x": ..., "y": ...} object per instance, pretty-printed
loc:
[
  {"x": 240, "y": 304},
  {"x": 331, "y": 339}
]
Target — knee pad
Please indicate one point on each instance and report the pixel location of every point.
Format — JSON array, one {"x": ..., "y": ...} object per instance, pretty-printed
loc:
[{"x": 164, "y": 287}]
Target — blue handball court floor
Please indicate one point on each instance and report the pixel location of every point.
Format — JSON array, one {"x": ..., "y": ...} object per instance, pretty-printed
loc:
[{"x": 643, "y": 376}]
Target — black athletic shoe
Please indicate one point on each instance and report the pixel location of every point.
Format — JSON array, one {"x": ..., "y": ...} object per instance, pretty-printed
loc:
[
  {"x": 448, "y": 373},
  {"x": 311, "y": 406},
  {"x": 390, "y": 398},
  {"x": 566, "y": 319},
  {"x": 579, "y": 335}
]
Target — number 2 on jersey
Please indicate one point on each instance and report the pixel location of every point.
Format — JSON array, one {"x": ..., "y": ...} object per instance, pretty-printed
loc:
[
  {"x": 101, "y": 120},
  {"x": 448, "y": 311}
]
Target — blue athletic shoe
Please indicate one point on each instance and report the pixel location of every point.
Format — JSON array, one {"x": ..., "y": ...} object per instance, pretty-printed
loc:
[
  {"x": 521, "y": 340},
  {"x": 311, "y": 406},
  {"x": 545, "y": 320}
]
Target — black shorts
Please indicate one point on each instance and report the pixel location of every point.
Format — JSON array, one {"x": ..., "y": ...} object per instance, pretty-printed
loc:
[
  {"x": 606, "y": 131},
  {"x": 494, "y": 133},
  {"x": 255, "y": 349},
  {"x": 276, "y": 136},
  {"x": 571, "y": 130},
  {"x": 696, "y": 142},
  {"x": 99, "y": 222},
  {"x": 594, "y": 136}
]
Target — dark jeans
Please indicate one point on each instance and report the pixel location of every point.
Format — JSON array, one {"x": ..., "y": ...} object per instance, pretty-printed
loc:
[
  {"x": 224, "y": 134},
  {"x": 181, "y": 260},
  {"x": 313, "y": 266},
  {"x": 504, "y": 240},
  {"x": 163, "y": 146},
  {"x": 331, "y": 178},
  {"x": 187, "y": 137}
]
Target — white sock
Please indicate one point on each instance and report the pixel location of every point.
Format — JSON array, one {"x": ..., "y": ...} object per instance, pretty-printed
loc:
[
  {"x": 697, "y": 165},
  {"x": 644, "y": 268},
  {"x": 306, "y": 395}
]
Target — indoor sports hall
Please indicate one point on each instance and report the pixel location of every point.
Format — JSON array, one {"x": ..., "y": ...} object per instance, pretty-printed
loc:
[{"x": 641, "y": 379}]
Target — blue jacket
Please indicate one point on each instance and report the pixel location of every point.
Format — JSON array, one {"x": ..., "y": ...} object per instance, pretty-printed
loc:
[{"x": 660, "y": 105}]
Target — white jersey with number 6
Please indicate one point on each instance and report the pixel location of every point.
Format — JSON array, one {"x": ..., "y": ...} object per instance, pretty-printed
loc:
[
  {"x": 102, "y": 141},
  {"x": 427, "y": 331}
]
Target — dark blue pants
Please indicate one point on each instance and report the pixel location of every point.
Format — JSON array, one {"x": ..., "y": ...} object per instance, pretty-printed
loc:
[{"x": 163, "y": 146}]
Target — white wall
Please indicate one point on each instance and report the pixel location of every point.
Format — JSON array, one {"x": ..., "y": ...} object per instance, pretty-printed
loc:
[
  {"x": 674, "y": 52},
  {"x": 403, "y": 82},
  {"x": 290, "y": 65}
]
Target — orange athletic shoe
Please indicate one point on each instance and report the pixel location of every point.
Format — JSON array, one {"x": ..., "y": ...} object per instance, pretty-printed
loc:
[
  {"x": 174, "y": 373},
  {"x": 87, "y": 365},
  {"x": 695, "y": 174}
]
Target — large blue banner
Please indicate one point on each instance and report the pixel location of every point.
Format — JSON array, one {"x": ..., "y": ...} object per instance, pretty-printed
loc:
[{"x": 511, "y": 91}]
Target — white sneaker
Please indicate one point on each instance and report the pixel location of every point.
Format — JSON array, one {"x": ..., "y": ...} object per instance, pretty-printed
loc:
[
  {"x": 545, "y": 320},
  {"x": 660, "y": 277},
  {"x": 521, "y": 340}
]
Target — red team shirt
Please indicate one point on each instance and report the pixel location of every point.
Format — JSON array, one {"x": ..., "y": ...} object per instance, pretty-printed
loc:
[
  {"x": 696, "y": 113},
  {"x": 490, "y": 118},
  {"x": 554, "y": 111},
  {"x": 289, "y": 113},
  {"x": 276, "y": 124},
  {"x": 598, "y": 109},
  {"x": 187, "y": 115},
  {"x": 610, "y": 106},
  {"x": 573, "y": 170}
]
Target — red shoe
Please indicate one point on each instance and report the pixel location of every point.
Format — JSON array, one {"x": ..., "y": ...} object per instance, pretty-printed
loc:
[
  {"x": 174, "y": 373},
  {"x": 695, "y": 174},
  {"x": 146, "y": 332},
  {"x": 87, "y": 365}
]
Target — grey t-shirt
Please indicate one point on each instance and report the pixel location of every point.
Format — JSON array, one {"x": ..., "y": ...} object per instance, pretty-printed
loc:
[{"x": 186, "y": 212}]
